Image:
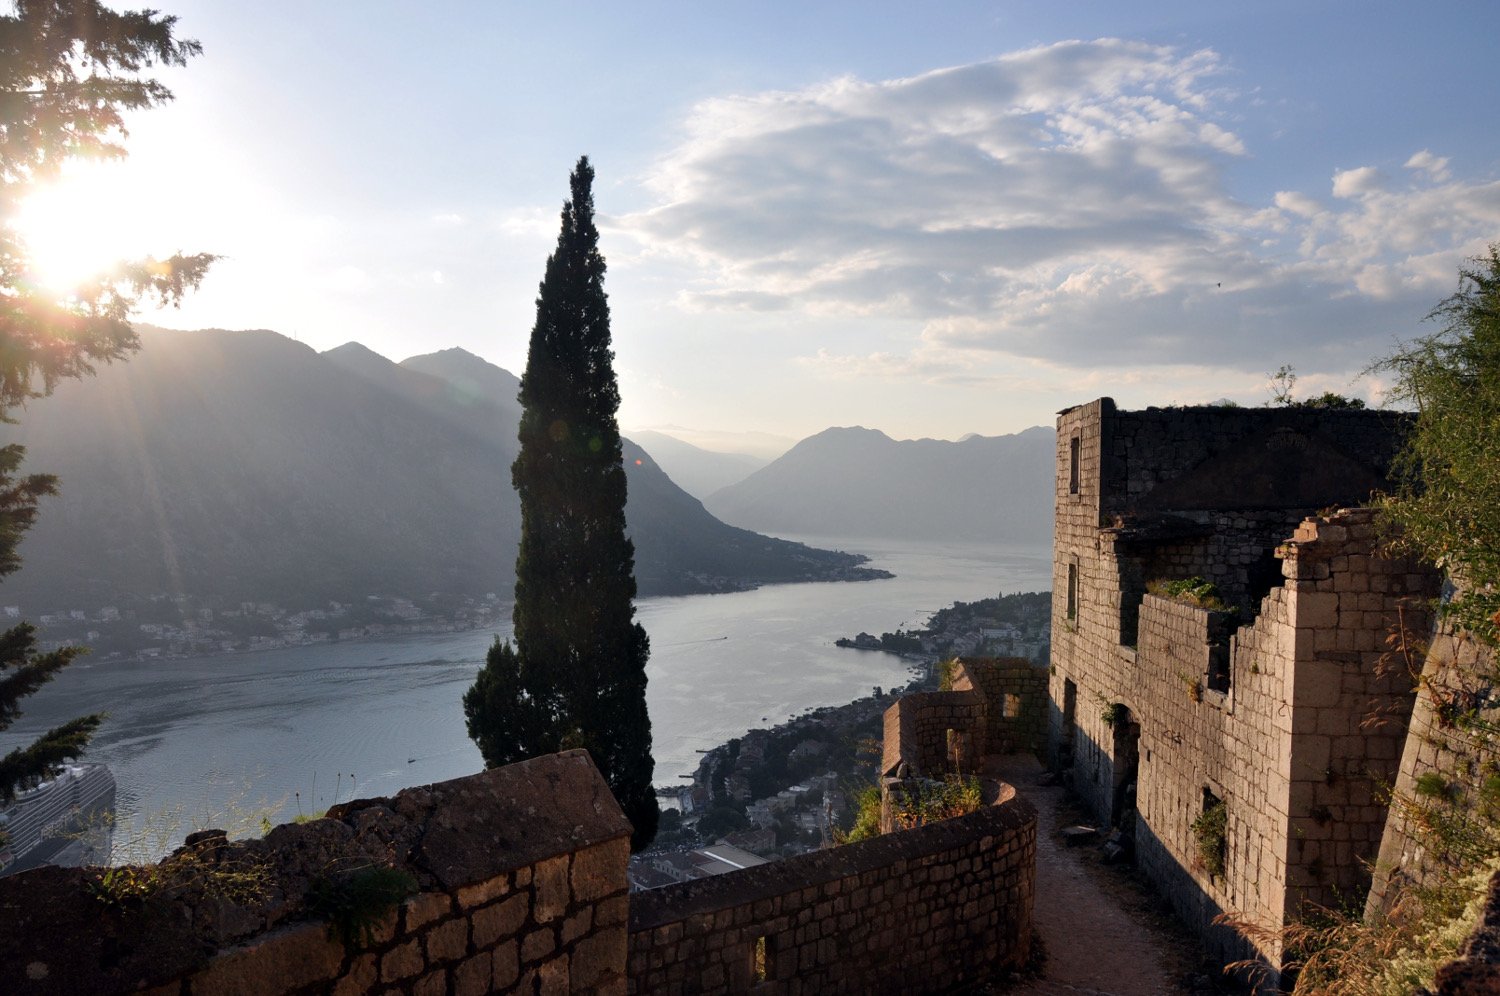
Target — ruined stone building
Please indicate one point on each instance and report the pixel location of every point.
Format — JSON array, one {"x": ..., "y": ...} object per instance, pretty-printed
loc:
[{"x": 1281, "y": 716}]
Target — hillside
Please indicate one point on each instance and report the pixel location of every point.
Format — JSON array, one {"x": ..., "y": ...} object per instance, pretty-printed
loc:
[
  {"x": 697, "y": 471},
  {"x": 235, "y": 467},
  {"x": 857, "y": 482}
]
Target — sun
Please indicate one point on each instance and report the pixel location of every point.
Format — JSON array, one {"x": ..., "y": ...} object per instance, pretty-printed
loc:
[{"x": 77, "y": 226}]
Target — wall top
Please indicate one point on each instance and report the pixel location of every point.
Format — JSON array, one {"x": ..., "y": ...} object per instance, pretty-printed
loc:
[{"x": 507, "y": 817}]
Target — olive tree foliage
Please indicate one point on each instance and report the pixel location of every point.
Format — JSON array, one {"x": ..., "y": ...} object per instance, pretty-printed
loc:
[
  {"x": 70, "y": 72},
  {"x": 576, "y": 676},
  {"x": 1447, "y": 505}
]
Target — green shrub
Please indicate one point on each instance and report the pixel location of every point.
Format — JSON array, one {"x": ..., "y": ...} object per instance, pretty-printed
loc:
[
  {"x": 1210, "y": 831},
  {"x": 1194, "y": 591},
  {"x": 354, "y": 902}
]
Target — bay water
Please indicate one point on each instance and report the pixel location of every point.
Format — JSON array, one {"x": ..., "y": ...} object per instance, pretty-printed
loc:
[{"x": 230, "y": 739}]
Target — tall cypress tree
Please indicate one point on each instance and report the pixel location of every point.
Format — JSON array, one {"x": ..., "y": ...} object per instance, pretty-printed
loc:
[{"x": 576, "y": 676}]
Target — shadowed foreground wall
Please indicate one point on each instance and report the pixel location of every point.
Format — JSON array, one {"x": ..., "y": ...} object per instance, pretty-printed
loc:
[
  {"x": 521, "y": 886},
  {"x": 520, "y": 871},
  {"x": 924, "y": 910}
]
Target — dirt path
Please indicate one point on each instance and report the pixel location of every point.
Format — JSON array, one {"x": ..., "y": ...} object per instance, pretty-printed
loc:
[{"x": 1101, "y": 935}]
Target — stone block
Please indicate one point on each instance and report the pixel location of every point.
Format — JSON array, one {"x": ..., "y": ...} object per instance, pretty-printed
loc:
[
  {"x": 470, "y": 896},
  {"x": 505, "y": 964},
  {"x": 402, "y": 962},
  {"x": 552, "y": 892},
  {"x": 431, "y": 984},
  {"x": 360, "y": 978},
  {"x": 473, "y": 977},
  {"x": 597, "y": 958},
  {"x": 424, "y": 908},
  {"x": 448, "y": 941},
  {"x": 537, "y": 944},
  {"x": 599, "y": 871},
  {"x": 502, "y": 920},
  {"x": 281, "y": 961},
  {"x": 576, "y": 926},
  {"x": 555, "y": 976},
  {"x": 1318, "y": 684}
]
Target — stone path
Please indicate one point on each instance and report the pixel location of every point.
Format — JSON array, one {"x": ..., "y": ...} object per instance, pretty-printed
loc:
[{"x": 1094, "y": 945}]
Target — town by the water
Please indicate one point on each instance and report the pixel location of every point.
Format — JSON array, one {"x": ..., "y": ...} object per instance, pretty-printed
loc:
[{"x": 792, "y": 788}]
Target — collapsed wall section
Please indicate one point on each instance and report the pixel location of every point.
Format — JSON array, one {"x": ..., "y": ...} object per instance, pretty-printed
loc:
[{"x": 1297, "y": 750}]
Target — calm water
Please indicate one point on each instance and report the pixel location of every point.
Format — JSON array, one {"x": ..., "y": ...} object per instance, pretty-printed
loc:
[{"x": 211, "y": 741}]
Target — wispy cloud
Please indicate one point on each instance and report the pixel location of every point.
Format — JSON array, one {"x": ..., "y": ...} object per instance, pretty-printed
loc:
[{"x": 1067, "y": 203}]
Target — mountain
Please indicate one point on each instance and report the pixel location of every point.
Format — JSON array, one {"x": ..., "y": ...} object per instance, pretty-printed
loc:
[
  {"x": 697, "y": 471},
  {"x": 244, "y": 467},
  {"x": 857, "y": 482}
]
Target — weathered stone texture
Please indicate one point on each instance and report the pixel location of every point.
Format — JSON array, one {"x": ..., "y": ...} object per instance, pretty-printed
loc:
[
  {"x": 483, "y": 916},
  {"x": 924, "y": 910},
  {"x": 1453, "y": 671},
  {"x": 1289, "y": 712}
]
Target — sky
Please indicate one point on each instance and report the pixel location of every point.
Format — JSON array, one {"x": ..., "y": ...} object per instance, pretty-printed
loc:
[{"x": 932, "y": 220}]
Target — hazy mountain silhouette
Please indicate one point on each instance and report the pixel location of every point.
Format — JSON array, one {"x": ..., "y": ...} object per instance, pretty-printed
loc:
[
  {"x": 245, "y": 466},
  {"x": 697, "y": 471},
  {"x": 857, "y": 482}
]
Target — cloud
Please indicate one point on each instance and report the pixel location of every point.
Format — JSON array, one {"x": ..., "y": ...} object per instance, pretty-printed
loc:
[
  {"x": 1067, "y": 203},
  {"x": 1356, "y": 182},
  {"x": 1436, "y": 167}
]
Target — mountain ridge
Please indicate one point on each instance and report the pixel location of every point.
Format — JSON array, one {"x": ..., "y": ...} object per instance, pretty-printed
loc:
[
  {"x": 852, "y": 481},
  {"x": 228, "y": 467}
]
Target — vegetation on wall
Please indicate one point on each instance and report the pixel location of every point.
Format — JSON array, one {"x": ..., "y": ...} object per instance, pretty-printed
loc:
[
  {"x": 1211, "y": 836},
  {"x": 1446, "y": 508},
  {"x": 1192, "y": 591}
]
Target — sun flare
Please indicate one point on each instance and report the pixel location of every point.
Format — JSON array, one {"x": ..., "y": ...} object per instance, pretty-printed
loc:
[{"x": 79, "y": 225}]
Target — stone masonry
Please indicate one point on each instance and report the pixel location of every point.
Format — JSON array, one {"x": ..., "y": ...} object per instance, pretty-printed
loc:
[
  {"x": 1288, "y": 710},
  {"x": 932, "y": 909},
  {"x": 997, "y": 705},
  {"x": 521, "y": 883}
]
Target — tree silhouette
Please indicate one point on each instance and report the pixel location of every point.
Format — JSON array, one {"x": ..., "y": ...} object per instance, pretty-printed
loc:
[
  {"x": 69, "y": 70},
  {"x": 577, "y": 674}
]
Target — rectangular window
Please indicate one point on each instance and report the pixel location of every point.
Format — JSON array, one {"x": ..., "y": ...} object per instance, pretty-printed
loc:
[
  {"x": 1218, "y": 667},
  {"x": 760, "y": 966},
  {"x": 1072, "y": 591},
  {"x": 1073, "y": 449},
  {"x": 1012, "y": 706}
]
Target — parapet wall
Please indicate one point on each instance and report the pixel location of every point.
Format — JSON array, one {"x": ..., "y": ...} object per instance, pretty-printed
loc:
[
  {"x": 1015, "y": 701},
  {"x": 933, "y": 732},
  {"x": 998, "y": 705},
  {"x": 931, "y": 909},
  {"x": 520, "y": 873}
]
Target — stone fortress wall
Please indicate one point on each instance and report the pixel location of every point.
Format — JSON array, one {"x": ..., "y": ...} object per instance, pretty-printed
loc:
[
  {"x": 1286, "y": 711},
  {"x": 520, "y": 879},
  {"x": 931, "y": 909}
]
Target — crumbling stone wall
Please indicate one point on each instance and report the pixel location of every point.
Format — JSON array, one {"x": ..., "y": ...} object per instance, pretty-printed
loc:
[
  {"x": 1292, "y": 720},
  {"x": 1299, "y": 748},
  {"x": 520, "y": 874},
  {"x": 927, "y": 910},
  {"x": 1452, "y": 739}
]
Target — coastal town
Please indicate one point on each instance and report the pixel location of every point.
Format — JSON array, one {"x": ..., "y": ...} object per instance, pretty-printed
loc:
[
  {"x": 177, "y": 626},
  {"x": 793, "y": 788}
]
